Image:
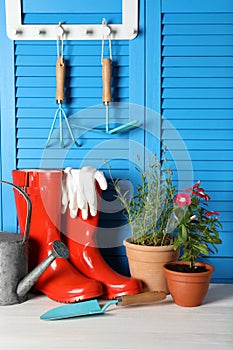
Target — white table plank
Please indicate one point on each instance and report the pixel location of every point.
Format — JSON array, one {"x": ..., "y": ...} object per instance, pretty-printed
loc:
[{"x": 155, "y": 326}]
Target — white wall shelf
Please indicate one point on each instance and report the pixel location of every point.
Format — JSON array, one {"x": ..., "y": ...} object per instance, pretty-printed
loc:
[{"x": 16, "y": 30}]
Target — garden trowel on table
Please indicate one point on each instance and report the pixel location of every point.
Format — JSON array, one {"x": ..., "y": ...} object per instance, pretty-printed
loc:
[{"x": 92, "y": 307}]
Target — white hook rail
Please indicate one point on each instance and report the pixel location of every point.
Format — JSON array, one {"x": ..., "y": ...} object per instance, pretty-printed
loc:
[{"x": 16, "y": 30}]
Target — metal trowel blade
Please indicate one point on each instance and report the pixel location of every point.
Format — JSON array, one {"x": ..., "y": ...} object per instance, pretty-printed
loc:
[{"x": 85, "y": 308}]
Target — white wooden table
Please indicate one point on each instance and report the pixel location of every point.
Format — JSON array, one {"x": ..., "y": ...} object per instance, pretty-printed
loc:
[{"x": 155, "y": 326}]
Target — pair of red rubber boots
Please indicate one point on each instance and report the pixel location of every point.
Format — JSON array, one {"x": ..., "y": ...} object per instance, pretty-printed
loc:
[{"x": 86, "y": 275}]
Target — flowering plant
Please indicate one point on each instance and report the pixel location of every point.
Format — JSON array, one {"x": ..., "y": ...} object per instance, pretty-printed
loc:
[
  {"x": 160, "y": 216},
  {"x": 197, "y": 227}
]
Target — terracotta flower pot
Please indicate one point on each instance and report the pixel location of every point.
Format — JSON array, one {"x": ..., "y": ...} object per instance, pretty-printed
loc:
[
  {"x": 188, "y": 289},
  {"x": 146, "y": 264}
]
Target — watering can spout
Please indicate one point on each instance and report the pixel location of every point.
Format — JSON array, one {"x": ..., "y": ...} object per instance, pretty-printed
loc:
[{"x": 59, "y": 250}]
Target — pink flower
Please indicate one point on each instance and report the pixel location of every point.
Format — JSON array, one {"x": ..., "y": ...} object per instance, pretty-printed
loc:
[
  {"x": 197, "y": 184},
  {"x": 200, "y": 192},
  {"x": 182, "y": 199},
  {"x": 196, "y": 187},
  {"x": 209, "y": 213}
]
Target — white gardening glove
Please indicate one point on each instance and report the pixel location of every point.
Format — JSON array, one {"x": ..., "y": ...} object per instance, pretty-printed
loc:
[
  {"x": 69, "y": 192},
  {"x": 79, "y": 190},
  {"x": 86, "y": 190}
]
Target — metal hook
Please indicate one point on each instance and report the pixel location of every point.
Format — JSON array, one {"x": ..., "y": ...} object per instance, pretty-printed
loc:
[
  {"x": 106, "y": 34},
  {"x": 60, "y": 37},
  {"x": 106, "y": 30}
]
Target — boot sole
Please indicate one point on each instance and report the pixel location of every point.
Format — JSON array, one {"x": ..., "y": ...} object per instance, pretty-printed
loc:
[
  {"x": 68, "y": 300},
  {"x": 109, "y": 296}
]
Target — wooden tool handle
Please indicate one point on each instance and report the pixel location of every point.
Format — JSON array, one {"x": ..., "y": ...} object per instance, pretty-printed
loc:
[
  {"x": 106, "y": 76},
  {"x": 60, "y": 80},
  {"x": 147, "y": 297}
]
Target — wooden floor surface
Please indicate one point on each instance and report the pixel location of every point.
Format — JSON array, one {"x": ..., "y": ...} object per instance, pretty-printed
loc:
[{"x": 156, "y": 326}]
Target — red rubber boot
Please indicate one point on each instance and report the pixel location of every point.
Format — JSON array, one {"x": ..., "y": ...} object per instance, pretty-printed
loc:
[
  {"x": 61, "y": 281},
  {"x": 78, "y": 235}
]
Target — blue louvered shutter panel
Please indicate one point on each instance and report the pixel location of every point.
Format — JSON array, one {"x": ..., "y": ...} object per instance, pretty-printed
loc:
[
  {"x": 196, "y": 86},
  {"x": 35, "y": 104},
  {"x": 197, "y": 100}
]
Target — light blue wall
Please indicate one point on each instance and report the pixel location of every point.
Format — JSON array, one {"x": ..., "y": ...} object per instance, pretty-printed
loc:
[{"x": 179, "y": 66}]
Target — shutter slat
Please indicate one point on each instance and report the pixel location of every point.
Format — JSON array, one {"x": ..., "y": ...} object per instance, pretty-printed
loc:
[
  {"x": 50, "y": 102},
  {"x": 195, "y": 124},
  {"x": 208, "y": 145},
  {"x": 186, "y": 51},
  {"x": 197, "y": 40},
  {"x": 40, "y": 81},
  {"x": 46, "y": 123},
  {"x": 197, "y": 6},
  {"x": 191, "y": 29},
  {"x": 206, "y": 155},
  {"x": 61, "y": 163},
  {"x": 69, "y": 50},
  {"x": 210, "y": 176},
  {"x": 197, "y": 61},
  {"x": 79, "y": 92},
  {"x": 204, "y": 82},
  {"x": 200, "y": 18},
  {"x": 86, "y": 143},
  {"x": 199, "y": 103},
  {"x": 197, "y": 113},
  {"x": 198, "y": 72},
  {"x": 46, "y": 62},
  {"x": 52, "y": 153},
  {"x": 198, "y": 93},
  {"x": 94, "y": 113},
  {"x": 42, "y": 133},
  {"x": 77, "y": 71},
  {"x": 202, "y": 135}
]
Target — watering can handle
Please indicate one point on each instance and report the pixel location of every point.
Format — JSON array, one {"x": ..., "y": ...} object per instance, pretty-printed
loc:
[{"x": 29, "y": 209}]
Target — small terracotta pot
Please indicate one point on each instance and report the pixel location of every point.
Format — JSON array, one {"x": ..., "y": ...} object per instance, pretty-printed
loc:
[
  {"x": 146, "y": 264},
  {"x": 188, "y": 289}
]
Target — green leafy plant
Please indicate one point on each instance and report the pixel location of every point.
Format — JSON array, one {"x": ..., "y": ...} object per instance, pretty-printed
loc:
[
  {"x": 150, "y": 209},
  {"x": 158, "y": 215}
]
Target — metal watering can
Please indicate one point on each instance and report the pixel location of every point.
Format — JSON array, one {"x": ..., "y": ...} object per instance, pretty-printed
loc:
[{"x": 15, "y": 281}]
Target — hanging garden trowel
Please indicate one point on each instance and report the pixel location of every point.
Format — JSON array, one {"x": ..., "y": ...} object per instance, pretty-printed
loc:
[
  {"x": 107, "y": 98},
  {"x": 92, "y": 307}
]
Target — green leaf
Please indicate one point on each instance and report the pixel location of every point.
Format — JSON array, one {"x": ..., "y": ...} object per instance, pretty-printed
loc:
[
  {"x": 202, "y": 248},
  {"x": 177, "y": 245},
  {"x": 184, "y": 233}
]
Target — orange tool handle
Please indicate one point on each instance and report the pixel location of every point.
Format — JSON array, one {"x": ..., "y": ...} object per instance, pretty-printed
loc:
[
  {"x": 60, "y": 80},
  {"x": 106, "y": 77}
]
